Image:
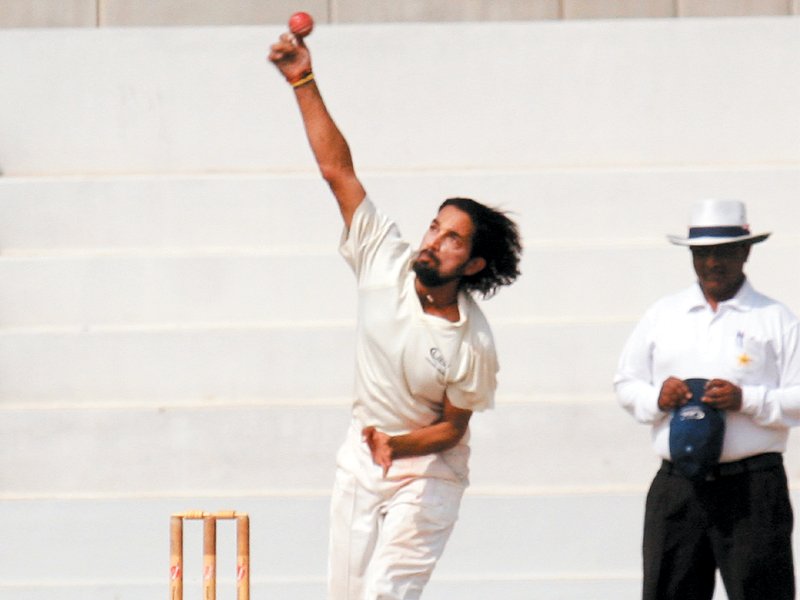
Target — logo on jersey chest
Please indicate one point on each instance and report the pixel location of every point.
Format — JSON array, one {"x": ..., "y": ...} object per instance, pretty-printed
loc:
[{"x": 436, "y": 359}]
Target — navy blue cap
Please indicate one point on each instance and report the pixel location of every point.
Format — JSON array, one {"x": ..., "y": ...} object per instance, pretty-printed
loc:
[{"x": 695, "y": 434}]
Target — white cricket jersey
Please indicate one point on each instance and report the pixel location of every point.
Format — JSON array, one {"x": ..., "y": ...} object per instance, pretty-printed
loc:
[{"x": 406, "y": 360}]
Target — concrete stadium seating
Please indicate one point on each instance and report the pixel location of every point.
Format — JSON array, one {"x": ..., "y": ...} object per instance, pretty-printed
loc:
[{"x": 176, "y": 324}]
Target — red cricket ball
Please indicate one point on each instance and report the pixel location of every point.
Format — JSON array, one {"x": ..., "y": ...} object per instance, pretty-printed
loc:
[{"x": 301, "y": 24}]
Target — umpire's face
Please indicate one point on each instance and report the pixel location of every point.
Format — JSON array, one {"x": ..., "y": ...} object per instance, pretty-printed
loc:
[{"x": 720, "y": 269}]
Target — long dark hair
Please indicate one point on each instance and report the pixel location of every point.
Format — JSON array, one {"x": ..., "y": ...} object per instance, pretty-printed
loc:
[{"x": 496, "y": 240}]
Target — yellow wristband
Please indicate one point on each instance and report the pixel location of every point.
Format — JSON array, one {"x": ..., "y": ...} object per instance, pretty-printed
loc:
[{"x": 303, "y": 81}]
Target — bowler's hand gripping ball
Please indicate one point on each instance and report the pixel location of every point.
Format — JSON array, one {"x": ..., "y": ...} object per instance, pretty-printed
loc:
[{"x": 301, "y": 24}]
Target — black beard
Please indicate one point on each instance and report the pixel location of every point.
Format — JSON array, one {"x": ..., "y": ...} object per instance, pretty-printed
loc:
[{"x": 429, "y": 276}]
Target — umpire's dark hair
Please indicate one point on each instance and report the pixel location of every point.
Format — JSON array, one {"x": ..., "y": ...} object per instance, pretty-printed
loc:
[{"x": 496, "y": 240}]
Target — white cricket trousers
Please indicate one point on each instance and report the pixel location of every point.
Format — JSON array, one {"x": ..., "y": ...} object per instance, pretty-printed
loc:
[{"x": 387, "y": 534}]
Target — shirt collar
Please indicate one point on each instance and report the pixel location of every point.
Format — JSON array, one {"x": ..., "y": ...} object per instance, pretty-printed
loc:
[{"x": 742, "y": 301}]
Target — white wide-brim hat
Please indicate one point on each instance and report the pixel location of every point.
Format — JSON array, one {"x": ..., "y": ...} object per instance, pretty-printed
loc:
[{"x": 715, "y": 222}]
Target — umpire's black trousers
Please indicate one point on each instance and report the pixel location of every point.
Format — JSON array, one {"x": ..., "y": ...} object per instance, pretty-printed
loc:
[{"x": 738, "y": 520}]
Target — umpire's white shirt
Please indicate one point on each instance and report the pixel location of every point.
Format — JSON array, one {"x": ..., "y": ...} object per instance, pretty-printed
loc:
[{"x": 751, "y": 341}]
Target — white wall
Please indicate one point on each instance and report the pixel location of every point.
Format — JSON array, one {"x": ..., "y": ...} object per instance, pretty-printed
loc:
[
  {"x": 176, "y": 325},
  {"x": 618, "y": 94}
]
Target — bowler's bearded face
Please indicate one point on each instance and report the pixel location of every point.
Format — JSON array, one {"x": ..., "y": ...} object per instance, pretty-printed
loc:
[{"x": 444, "y": 254}]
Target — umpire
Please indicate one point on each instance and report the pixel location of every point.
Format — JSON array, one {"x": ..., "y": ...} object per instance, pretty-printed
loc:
[{"x": 716, "y": 504}]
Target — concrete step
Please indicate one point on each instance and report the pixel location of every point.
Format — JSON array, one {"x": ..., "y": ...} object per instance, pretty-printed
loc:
[
  {"x": 268, "y": 361},
  {"x": 545, "y": 446},
  {"x": 559, "y": 284},
  {"x": 113, "y": 214},
  {"x": 289, "y": 545},
  {"x": 186, "y": 291},
  {"x": 259, "y": 447},
  {"x": 193, "y": 290},
  {"x": 636, "y": 92},
  {"x": 236, "y": 363},
  {"x": 233, "y": 363},
  {"x": 295, "y": 211},
  {"x": 571, "y": 547}
]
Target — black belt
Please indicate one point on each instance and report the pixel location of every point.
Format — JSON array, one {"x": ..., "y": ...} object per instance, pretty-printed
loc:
[{"x": 759, "y": 462}]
